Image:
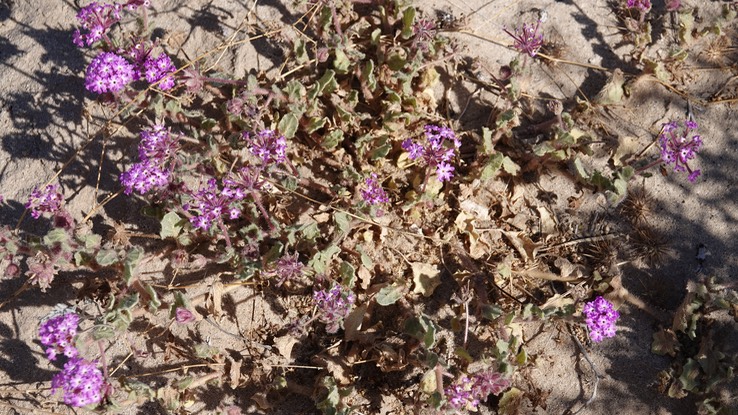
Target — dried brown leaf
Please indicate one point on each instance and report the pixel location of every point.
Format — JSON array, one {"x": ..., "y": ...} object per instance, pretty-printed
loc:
[{"x": 284, "y": 345}]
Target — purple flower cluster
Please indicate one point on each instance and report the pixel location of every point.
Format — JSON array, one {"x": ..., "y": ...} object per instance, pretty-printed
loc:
[
  {"x": 333, "y": 305},
  {"x": 157, "y": 144},
  {"x": 642, "y": 5},
  {"x": 212, "y": 204},
  {"x": 468, "y": 392},
  {"x": 183, "y": 316},
  {"x": 47, "y": 200},
  {"x": 374, "y": 194},
  {"x": 156, "y": 148},
  {"x": 267, "y": 146},
  {"x": 143, "y": 177},
  {"x": 600, "y": 316},
  {"x": 57, "y": 334},
  {"x": 424, "y": 30},
  {"x": 527, "y": 39},
  {"x": 439, "y": 149},
  {"x": 96, "y": 18},
  {"x": 459, "y": 396},
  {"x": 679, "y": 149},
  {"x": 109, "y": 72},
  {"x": 81, "y": 383},
  {"x": 160, "y": 67},
  {"x": 287, "y": 268}
]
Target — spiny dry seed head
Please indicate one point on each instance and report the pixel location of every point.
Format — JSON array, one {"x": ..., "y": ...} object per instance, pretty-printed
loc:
[
  {"x": 717, "y": 51},
  {"x": 649, "y": 246},
  {"x": 637, "y": 206},
  {"x": 603, "y": 252}
]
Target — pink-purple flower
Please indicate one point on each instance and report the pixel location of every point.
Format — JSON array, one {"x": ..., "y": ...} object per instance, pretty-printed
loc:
[
  {"x": 108, "y": 72},
  {"x": 96, "y": 19},
  {"x": 527, "y": 39},
  {"x": 160, "y": 67},
  {"x": 679, "y": 147},
  {"x": 373, "y": 193},
  {"x": 183, "y": 316},
  {"x": 213, "y": 204},
  {"x": 438, "y": 150},
  {"x": 267, "y": 146},
  {"x": 468, "y": 392},
  {"x": 334, "y": 306},
  {"x": 144, "y": 177},
  {"x": 46, "y": 200},
  {"x": 81, "y": 383},
  {"x": 600, "y": 316},
  {"x": 642, "y": 5},
  {"x": 57, "y": 334}
]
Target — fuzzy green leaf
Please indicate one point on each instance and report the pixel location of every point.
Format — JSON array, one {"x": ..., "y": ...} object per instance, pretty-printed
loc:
[
  {"x": 390, "y": 294},
  {"x": 288, "y": 125},
  {"x": 171, "y": 225},
  {"x": 106, "y": 257},
  {"x": 131, "y": 263}
]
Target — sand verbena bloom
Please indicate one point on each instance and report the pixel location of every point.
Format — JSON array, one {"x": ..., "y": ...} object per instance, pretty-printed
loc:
[{"x": 600, "y": 316}]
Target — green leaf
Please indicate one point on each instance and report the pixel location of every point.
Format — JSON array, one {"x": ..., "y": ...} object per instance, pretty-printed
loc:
[
  {"x": 507, "y": 120},
  {"x": 106, "y": 257},
  {"x": 690, "y": 376},
  {"x": 131, "y": 263},
  {"x": 206, "y": 351},
  {"x": 91, "y": 241},
  {"x": 492, "y": 166},
  {"x": 348, "y": 274},
  {"x": 367, "y": 75},
  {"x": 510, "y": 166},
  {"x": 128, "y": 302},
  {"x": 487, "y": 146},
  {"x": 315, "y": 124},
  {"x": 300, "y": 51},
  {"x": 171, "y": 225},
  {"x": 332, "y": 139},
  {"x": 327, "y": 83},
  {"x": 376, "y": 36},
  {"x": 343, "y": 222},
  {"x": 422, "y": 328},
  {"x": 102, "y": 331},
  {"x": 154, "y": 301},
  {"x": 310, "y": 231},
  {"x": 341, "y": 63},
  {"x": 390, "y": 294},
  {"x": 408, "y": 18},
  {"x": 56, "y": 236},
  {"x": 321, "y": 259},
  {"x": 288, "y": 125}
]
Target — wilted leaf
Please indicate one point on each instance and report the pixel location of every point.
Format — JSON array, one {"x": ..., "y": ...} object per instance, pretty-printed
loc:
[
  {"x": 426, "y": 278},
  {"x": 627, "y": 146},
  {"x": 612, "y": 93},
  {"x": 284, "y": 345},
  {"x": 511, "y": 401},
  {"x": 665, "y": 342},
  {"x": 352, "y": 322},
  {"x": 428, "y": 382},
  {"x": 523, "y": 244},
  {"x": 390, "y": 294}
]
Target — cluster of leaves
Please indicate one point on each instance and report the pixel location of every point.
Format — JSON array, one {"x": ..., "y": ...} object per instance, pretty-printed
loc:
[
  {"x": 699, "y": 343},
  {"x": 230, "y": 168}
]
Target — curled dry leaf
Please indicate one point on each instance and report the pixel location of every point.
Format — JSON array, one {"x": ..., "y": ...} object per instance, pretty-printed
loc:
[
  {"x": 426, "y": 278},
  {"x": 284, "y": 345},
  {"x": 524, "y": 245}
]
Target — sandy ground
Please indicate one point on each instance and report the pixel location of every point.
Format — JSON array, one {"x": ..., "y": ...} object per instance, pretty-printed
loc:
[{"x": 43, "y": 120}]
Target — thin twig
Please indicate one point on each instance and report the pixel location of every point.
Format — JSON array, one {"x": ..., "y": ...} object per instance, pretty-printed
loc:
[{"x": 591, "y": 365}]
